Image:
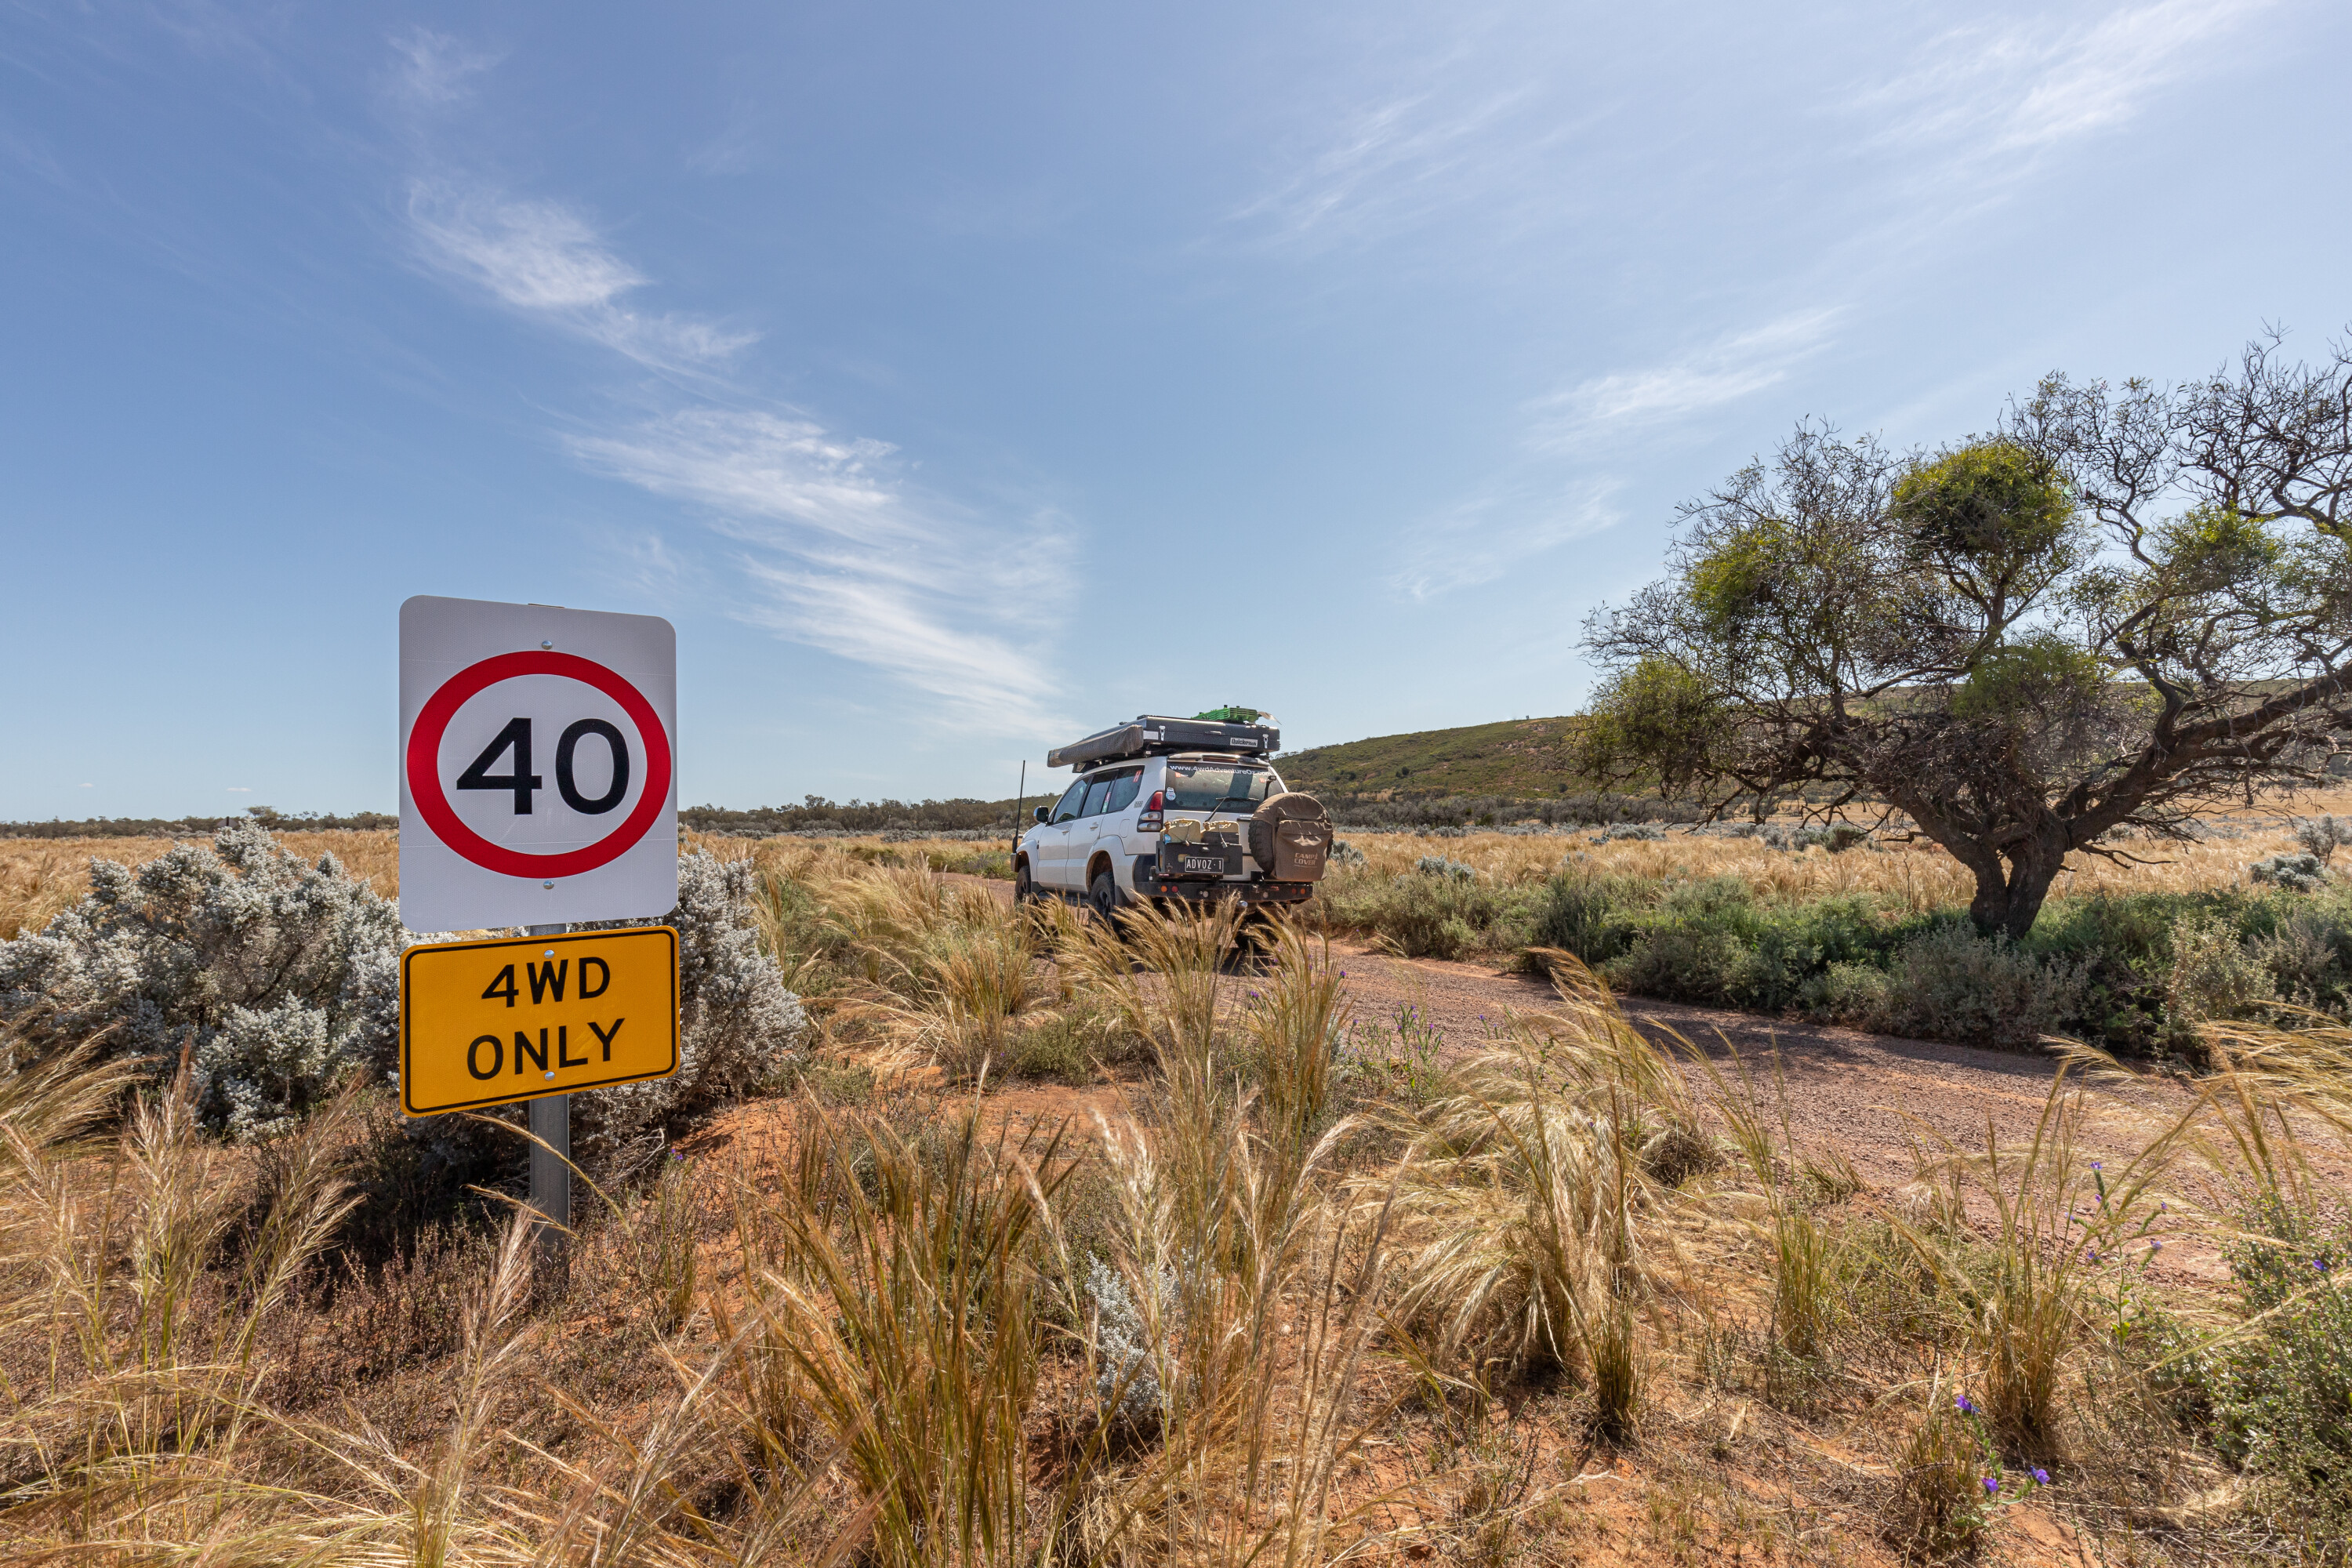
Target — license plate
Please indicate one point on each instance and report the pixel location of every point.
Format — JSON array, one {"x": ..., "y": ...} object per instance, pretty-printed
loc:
[{"x": 1200, "y": 865}]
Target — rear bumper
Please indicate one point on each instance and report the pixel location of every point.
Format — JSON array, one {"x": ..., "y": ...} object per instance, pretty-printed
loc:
[{"x": 1149, "y": 884}]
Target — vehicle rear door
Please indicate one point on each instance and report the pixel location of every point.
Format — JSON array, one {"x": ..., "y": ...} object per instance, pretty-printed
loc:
[
  {"x": 1110, "y": 808},
  {"x": 1078, "y": 838}
]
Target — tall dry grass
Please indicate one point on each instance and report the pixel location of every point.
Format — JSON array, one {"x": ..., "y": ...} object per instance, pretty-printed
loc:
[
  {"x": 1917, "y": 878},
  {"x": 1170, "y": 1329},
  {"x": 1534, "y": 1194},
  {"x": 2062, "y": 1223}
]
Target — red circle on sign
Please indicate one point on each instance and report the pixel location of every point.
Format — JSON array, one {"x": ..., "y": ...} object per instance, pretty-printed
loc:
[{"x": 433, "y": 804}]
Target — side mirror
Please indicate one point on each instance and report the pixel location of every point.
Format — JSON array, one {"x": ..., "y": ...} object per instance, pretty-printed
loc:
[{"x": 1043, "y": 813}]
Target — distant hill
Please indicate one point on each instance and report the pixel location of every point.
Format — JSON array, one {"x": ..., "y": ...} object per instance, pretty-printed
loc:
[{"x": 1518, "y": 757}]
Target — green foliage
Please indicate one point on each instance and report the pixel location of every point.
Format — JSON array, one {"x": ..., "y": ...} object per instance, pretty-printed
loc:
[
  {"x": 2038, "y": 673},
  {"x": 1993, "y": 502},
  {"x": 1426, "y": 916},
  {"x": 2279, "y": 1400},
  {"x": 1065, "y": 1045},
  {"x": 1714, "y": 942},
  {"x": 2209, "y": 548},
  {"x": 2135, "y": 973},
  {"x": 1657, "y": 717},
  {"x": 1586, "y": 915}
]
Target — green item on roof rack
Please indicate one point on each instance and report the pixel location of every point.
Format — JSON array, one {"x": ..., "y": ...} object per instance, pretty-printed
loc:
[{"x": 1231, "y": 715}]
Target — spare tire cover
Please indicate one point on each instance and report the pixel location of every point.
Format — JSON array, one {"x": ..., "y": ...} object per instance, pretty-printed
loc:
[{"x": 1290, "y": 805}]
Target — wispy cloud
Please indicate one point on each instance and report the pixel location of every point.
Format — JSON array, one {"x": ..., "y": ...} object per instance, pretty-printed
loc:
[
  {"x": 432, "y": 69},
  {"x": 543, "y": 258},
  {"x": 33, "y": 154},
  {"x": 2007, "y": 92},
  {"x": 1560, "y": 488},
  {"x": 847, "y": 558},
  {"x": 1730, "y": 369},
  {"x": 1384, "y": 167},
  {"x": 1484, "y": 538}
]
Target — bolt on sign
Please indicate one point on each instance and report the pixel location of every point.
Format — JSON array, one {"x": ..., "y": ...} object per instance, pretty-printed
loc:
[
  {"x": 494, "y": 1022},
  {"x": 538, "y": 765}
]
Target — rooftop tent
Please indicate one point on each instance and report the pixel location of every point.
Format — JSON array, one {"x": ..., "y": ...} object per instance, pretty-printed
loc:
[{"x": 1151, "y": 734}]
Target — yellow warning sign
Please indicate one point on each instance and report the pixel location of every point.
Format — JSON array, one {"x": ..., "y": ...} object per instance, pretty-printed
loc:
[{"x": 489, "y": 1023}]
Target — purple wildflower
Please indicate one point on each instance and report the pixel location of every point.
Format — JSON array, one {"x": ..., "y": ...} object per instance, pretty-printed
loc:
[
  {"x": 1964, "y": 1406},
  {"x": 1992, "y": 1485},
  {"x": 2040, "y": 1476},
  {"x": 2098, "y": 1164}
]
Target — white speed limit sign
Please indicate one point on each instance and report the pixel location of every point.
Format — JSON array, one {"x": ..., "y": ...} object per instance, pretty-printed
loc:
[{"x": 538, "y": 765}]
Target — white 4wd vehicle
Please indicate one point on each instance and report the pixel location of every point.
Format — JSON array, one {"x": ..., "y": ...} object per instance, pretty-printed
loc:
[{"x": 1173, "y": 809}]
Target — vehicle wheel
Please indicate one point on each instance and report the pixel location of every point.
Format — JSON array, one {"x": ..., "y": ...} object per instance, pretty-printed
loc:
[
  {"x": 1102, "y": 895},
  {"x": 1024, "y": 891}
]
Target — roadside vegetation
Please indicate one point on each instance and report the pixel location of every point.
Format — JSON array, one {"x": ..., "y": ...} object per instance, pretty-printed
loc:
[
  {"x": 2134, "y": 958},
  {"x": 1043, "y": 1242}
]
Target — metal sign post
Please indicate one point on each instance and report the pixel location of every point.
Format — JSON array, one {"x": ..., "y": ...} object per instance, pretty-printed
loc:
[
  {"x": 538, "y": 787},
  {"x": 550, "y": 1179}
]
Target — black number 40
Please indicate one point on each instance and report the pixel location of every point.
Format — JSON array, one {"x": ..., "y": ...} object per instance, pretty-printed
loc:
[{"x": 516, "y": 737}]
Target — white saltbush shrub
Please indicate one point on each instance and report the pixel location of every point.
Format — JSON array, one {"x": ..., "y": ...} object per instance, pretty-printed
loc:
[
  {"x": 2296, "y": 873},
  {"x": 276, "y": 976},
  {"x": 738, "y": 1027},
  {"x": 280, "y": 978},
  {"x": 2321, "y": 836}
]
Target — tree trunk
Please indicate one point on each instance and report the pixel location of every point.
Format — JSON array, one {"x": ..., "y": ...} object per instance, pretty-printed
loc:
[{"x": 2010, "y": 895}]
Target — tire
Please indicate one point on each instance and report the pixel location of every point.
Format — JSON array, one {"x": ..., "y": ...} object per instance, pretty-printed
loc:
[
  {"x": 1102, "y": 895},
  {"x": 1291, "y": 806},
  {"x": 1024, "y": 890}
]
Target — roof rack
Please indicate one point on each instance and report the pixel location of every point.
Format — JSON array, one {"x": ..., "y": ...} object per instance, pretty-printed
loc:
[{"x": 1152, "y": 735}]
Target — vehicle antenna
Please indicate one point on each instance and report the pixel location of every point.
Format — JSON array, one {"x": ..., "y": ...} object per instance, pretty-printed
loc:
[{"x": 1018, "y": 804}]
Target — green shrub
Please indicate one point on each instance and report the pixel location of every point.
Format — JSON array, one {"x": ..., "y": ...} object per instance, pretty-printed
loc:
[
  {"x": 1426, "y": 916},
  {"x": 1066, "y": 1047},
  {"x": 1711, "y": 941},
  {"x": 1950, "y": 984},
  {"x": 2213, "y": 975},
  {"x": 2281, "y": 1400},
  {"x": 1855, "y": 994},
  {"x": 1685, "y": 962},
  {"x": 1589, "y": 916},
  {"x": 2309, "y": 960}
]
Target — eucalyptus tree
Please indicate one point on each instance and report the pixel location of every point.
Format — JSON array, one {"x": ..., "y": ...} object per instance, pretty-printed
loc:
[{"x": 2123, "y": 605}]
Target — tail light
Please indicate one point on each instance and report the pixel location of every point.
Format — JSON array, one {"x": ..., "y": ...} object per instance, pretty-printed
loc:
[{"x": 1155, "y": 813}]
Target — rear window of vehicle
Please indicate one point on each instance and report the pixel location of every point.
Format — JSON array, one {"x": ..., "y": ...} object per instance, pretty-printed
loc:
[
  {"x": 1204, "y": 787},
  {"x": 1112, "y": 791}
]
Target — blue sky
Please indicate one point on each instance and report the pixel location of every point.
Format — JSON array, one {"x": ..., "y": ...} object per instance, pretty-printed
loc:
[{"x": 961, "y": 378}]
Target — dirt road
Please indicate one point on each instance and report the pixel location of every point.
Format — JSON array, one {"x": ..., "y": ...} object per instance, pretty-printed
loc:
[{"x": 1868, "y": 1094}]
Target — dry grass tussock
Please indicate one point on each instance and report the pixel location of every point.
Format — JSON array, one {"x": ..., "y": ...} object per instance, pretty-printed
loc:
[{"x": 1238, "y": 1305}]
